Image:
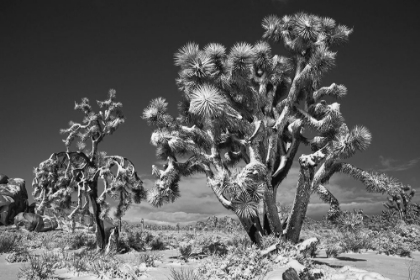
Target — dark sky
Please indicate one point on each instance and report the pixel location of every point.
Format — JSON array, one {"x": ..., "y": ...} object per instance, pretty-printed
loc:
[{"x": 53, "y": 53}]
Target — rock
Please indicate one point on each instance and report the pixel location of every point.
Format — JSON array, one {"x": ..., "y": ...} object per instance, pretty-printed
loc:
[
  {"x": 29, "y": 221},
  {"x": 3, "y": 179},
  {"x": 49, "y": 223},
  {"x": 296, "y": 265},
  {"x": 275, "y": 274},
  {"x": 308, "y": 247},
  {"x": 290, "y": 274},
  {"x": 13, "y": 198},
  {"x": 317, "y": 273},
  {"x": 142, "y": 267},
  {"x": 35, "y": 222},
  {"x": 156, "y": 263}
]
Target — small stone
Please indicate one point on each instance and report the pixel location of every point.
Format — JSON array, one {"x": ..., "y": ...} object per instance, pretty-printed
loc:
[
  {"x": 156, "y": 263},
  {"x": 296, "y": 265},
  {"x": 290, "y": 274},
  {"x": 142, "y": 267},
  {"x": 276, "y": 274}
]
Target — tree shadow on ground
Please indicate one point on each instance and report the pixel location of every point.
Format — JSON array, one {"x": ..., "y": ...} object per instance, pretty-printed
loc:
[
  {"x": 327, "y": 264},
  {"x": 350, "y": 259}
]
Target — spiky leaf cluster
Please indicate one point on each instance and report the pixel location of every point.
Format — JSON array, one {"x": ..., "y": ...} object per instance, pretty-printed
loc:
[{"x": 95, "y": 126}]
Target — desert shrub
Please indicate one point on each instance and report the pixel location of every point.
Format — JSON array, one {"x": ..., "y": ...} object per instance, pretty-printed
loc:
[
  {"x": 81, "y": 239},
  {"x": 185, "y": 249},
  {"x": 157, "y": 244},
  {"x": 239, "y": 241},
  {"x": 39, "y": 267},
  {"x": 204, "y": 240},
  {"x": 32, "y": 240},
  {"x": 413, "y": 269},
  {"x": 184, "y": 274},
  {"x": 19, "y": 254},
  {"x": 107, "y": 267},
  {"x": 350, "y": 221},
  {"x": 133, "y": 240},
  {"x": 148, "y": 259},
  {"x": 333, "y": 250},
  {"x": 239, "y": 263},
  {"x": 390, "y": 243},
  {"x": 9, "y": 241},
  {"x": 187, "y": 236},
  {"x": 332, "y": 244},
  {"x": 217, "y": 248},
  {"x": 355, "y": 242},
  {"x": 146, "y": 236},
  {"x": 269, "y": 240}
]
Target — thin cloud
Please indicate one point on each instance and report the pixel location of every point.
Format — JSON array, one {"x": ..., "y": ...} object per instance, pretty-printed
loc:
[{"x": 389, "y": 164}]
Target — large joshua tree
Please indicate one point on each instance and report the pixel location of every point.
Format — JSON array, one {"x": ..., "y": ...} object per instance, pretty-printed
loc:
[
  {"x": 67, "y": 172},
  {"x": 241, "y": 121}
]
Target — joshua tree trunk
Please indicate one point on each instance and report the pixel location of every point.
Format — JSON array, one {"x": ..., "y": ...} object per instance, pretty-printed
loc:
[
  {"x": 100, "y": 231},
  {"x": 253, "y": 228},
  {"x": 300, "y": 205},
  {"x": 272, "y": 223}
]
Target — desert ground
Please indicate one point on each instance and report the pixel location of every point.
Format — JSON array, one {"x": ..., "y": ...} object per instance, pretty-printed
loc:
[{"x": 213, "y": 253}]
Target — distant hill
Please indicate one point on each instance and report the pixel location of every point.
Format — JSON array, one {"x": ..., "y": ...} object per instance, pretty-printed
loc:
[{"x": 182, "y": 224}]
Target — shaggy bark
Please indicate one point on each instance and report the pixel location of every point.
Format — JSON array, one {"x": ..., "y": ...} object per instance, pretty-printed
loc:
[{"x": 300, "y": 205}]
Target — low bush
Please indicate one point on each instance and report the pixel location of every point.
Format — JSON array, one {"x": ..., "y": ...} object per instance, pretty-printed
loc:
[
  {"x": 354, "y": 242},
  {"x": 80, "y": 239},
  {"x": 9, "y": 241},
  {"x": 157, "y": 244},
  {"x": 217, "y": 248},
  {"x": 38, "y": 267},
  {"x": 19, "y": 255},
  {"x": 390, "y": 243},
  {"x": 184, "y": 274},
  {"x": 148, "y": 259},
  {"x": 185, "y": 249},
  {"x": 239, "y": 263},
  {"x": 132, "y": 240}
]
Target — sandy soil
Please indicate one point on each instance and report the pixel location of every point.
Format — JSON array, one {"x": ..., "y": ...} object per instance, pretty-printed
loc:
[{"x": 392, "y": 267}]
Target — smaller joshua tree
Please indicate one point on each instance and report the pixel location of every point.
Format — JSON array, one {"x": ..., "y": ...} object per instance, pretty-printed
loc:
[
  {"x": 402, "y": 206},
  {"x": 67, "y": 172}
]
